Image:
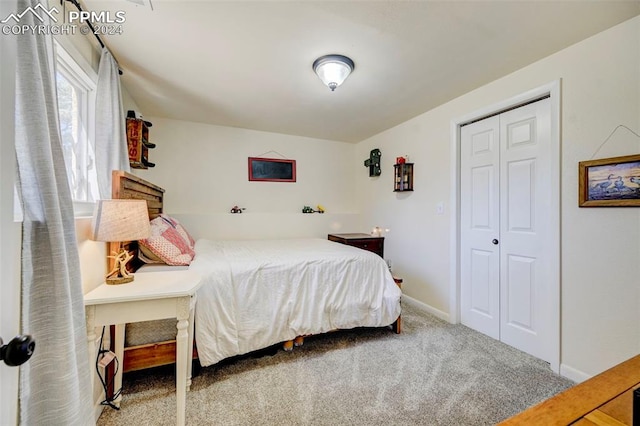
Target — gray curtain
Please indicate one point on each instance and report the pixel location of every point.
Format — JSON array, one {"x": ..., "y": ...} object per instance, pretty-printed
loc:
[
  {"x": 55, "y": 386},
  {"x": 111, "y": 138}
]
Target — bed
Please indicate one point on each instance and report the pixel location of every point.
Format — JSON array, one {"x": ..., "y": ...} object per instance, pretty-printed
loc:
[{"x": 256, "y": 294}]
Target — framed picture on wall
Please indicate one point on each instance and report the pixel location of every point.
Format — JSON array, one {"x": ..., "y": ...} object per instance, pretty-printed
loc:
[
  {"x": 272, "y": 170},
  {"x": 609, "y": 182}
]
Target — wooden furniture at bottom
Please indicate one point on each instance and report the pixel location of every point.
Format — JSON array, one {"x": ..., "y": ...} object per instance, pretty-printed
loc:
[
  {"x": 151, "y": 296},
  {"x": 605, "y": 399}
]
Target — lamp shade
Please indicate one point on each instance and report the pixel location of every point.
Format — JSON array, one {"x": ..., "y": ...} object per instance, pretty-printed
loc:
[
  {"x": 333, "y": 69},
  {"x": 120, "y": 220}
]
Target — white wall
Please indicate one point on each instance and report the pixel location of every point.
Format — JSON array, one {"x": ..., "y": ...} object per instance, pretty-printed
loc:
[
  {"x": 600, "y": 246},
  {"x": 204, "y": 171}
]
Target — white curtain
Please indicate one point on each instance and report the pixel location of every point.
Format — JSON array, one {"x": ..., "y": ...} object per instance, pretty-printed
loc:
[
  {"x": 55, "y": 386},
  {"x": 111, "y": 138}
]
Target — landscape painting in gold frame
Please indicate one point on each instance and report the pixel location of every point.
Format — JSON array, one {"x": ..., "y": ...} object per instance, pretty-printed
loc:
[{"x": 609, "y": 182}]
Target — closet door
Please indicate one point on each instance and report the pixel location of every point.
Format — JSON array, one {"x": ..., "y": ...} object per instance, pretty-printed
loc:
[
  {"x": 506, "y": 232},
  {"x": 480, "y": 226},
  {"x": 525, "y": 229}
]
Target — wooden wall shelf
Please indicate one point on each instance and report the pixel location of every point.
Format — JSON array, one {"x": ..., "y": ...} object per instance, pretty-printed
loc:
[
  {"x": 138, "y": 143},
  {"x": 403, "y": 177}
]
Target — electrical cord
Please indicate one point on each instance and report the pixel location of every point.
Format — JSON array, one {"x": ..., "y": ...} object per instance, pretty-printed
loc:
[{"x": 105, "y": 382}]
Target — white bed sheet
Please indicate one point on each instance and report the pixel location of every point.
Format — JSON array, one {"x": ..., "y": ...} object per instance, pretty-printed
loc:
[{"x": 259, "y": 293}]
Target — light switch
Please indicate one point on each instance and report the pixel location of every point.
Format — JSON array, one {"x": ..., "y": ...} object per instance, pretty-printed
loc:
[{"x": 440, "y": 208}]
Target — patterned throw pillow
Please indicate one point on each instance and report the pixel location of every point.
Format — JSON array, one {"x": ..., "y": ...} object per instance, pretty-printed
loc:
[
  {"x": 168, "y": 243},
  {"x": 185, "y": 234}
]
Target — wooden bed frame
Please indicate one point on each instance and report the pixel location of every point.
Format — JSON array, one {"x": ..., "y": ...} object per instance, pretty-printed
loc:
[{"x": 128, "y": 186}]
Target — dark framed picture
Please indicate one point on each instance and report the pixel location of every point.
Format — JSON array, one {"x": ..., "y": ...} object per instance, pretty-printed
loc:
[
  {"x": 272, "y": 170},
  {"x": 609, "y": 182}
]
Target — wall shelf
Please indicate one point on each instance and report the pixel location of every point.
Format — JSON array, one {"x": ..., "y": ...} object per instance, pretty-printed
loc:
[
  {"x": 403, "y": 177},
  {"x": 138, "y": 143}
]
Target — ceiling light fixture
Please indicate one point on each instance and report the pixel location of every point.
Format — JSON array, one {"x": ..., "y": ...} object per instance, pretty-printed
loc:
[{"x": 333, "y": 69}]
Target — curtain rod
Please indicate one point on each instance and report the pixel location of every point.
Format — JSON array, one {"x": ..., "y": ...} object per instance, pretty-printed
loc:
[{"x": 93, "y": 31}]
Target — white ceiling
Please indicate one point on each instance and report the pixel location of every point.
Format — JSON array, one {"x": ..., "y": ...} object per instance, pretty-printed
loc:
[{"x": 248, "y": 63}]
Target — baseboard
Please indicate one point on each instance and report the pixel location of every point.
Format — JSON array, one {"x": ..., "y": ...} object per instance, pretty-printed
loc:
[
  {"x": 430, "y": 309},
  {"x": 573, "y": 374},
  {"x": 97, "y": 408}
]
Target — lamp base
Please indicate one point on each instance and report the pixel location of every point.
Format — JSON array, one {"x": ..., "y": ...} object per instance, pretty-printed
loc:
[
  {"x": 119, "y": 280},
  {"x": 119, "y": 273}
]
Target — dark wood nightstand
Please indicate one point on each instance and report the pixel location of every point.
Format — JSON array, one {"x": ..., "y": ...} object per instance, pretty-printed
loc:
[{"x": 363, "y": 241}]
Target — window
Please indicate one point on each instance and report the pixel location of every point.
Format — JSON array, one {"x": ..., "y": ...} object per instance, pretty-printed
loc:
[{"x": 76, "y": 109}]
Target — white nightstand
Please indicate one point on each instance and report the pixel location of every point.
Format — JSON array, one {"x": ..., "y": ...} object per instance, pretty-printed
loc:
[{"x": 152, "y": 296}]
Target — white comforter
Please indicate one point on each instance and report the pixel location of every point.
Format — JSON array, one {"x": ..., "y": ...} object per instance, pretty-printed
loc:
[{"x": 259, "y": 293}]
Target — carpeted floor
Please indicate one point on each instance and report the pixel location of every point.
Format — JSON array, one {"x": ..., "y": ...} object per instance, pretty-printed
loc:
[{"x": 434, "y": 373}]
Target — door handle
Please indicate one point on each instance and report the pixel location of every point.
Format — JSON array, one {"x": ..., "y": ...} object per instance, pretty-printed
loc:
[
  {"x": 494, "y": 242},
  {"x": 18, "y": 350}
]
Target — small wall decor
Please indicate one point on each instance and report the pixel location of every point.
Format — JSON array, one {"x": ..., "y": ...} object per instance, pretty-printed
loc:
[
  {"x": 236, "y": 209},
  {"x": 402, "y": 175},
  {"x": 272, "y": 170},
  {"x": 373, "y": 162},
  {"x": 309, "y": 209},
  {"x": 609, "y": 182}
]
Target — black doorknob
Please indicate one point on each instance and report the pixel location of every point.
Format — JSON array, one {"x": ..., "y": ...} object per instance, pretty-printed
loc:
[
  {"x": 18, "y": 350},
  {"x": 494, "y": 242}
]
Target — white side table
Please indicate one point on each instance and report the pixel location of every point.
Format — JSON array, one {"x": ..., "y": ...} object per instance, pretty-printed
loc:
[{"x": 151, "y": 296}]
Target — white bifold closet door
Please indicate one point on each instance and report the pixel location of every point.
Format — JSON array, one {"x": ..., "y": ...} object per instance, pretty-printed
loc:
[{"x": 506, "y": 241}]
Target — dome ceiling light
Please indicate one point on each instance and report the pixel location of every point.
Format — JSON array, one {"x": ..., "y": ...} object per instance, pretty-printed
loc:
[{"x": 333, "y": 69}]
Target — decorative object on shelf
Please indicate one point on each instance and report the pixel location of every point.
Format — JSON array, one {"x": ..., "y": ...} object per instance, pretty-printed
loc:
[
  {"x": 609, "y": 182},
  {"x": 309, "y": 209},
  {"x": 138, "y": 141},
  {"x": 272, "y": 170},
  {"x": 378, "y": 232},
  {"x": 333, "y": 70},
  {"x": 118, "y": 221},
  {"x": 373, "y": 162},
  {"x": 236, "y": 209},
  {"x": 403, "y": 176}
]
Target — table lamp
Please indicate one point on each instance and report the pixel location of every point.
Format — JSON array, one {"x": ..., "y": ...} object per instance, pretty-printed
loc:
[{"x": 118, "y": 221}]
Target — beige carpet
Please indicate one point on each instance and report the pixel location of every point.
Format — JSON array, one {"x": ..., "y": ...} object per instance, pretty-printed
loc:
[{"x": 434, "y": 373}]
